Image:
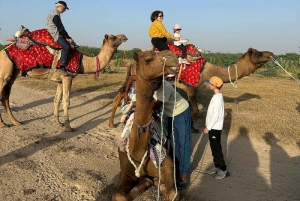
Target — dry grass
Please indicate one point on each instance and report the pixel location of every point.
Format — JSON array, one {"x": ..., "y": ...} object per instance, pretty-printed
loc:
[{"x": 263, "y": 108}]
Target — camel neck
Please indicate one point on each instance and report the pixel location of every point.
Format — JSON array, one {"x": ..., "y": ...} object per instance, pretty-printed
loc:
[
  {"x": 143, "y": 115},
  {"x": 89, "y": 64}
]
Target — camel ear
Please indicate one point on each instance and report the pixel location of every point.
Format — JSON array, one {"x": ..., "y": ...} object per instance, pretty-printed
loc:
[
  {"x": 135, "y": 56},
  {"x": 106, "y": 36},
  {"x": 250, "y": 50}
]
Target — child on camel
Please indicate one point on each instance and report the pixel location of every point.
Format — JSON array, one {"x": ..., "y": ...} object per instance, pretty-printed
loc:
[{"x": 180, "y": 43}]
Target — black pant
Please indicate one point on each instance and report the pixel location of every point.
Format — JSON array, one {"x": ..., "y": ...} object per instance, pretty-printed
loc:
[
  {"x": 160, "y": 43},
  {"x": 216, "y": 148},
  {"x": 183, "y": 50}
]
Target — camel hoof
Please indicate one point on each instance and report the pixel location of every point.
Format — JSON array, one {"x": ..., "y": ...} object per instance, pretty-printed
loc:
[
  {"x": 112, "y": 126},
  {"x": 58, "y": 124},
  {"x": 16, "y": 123},
  {"x": 3, "y": 125},
  {"x": 69, "y": 129}
]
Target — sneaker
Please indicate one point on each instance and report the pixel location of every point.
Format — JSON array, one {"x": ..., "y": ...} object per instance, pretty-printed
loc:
[
  {"x": 181, "y": 185},
  {"x": 185, "y": 61},
  {"x": 62, "y": 71},
  {"x": 212, "y": 170},
  {"x": 221, "y": 174}
]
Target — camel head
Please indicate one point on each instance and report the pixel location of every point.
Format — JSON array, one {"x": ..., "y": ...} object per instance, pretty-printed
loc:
[
  {"x": 114, "y": 41},
  {"x": 151, "y": 65},
  {"x": 258, "y": 58}
]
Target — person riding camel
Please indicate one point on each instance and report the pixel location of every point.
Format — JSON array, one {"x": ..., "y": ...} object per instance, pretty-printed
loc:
[{"x": 57, "y": 30}]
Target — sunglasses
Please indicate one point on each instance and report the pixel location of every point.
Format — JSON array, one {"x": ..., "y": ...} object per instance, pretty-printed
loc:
[{"x": 160, "y": 16}]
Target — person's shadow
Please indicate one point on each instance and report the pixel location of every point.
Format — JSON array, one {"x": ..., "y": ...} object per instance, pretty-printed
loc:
[
  {"x": 298, "y": 107},
  {"x": 284, "y": 170}
]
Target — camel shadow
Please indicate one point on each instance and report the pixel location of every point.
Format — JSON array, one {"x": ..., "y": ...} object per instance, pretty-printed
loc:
[
  {"x": 283, "y": 170},
  {"x": 48, "y": 101},
  {"x": 107, "y": 192},
  {"x": 241, "y": 98},
  {"x": 45, "y": 142},
  {"x": 73, "y": 93}
]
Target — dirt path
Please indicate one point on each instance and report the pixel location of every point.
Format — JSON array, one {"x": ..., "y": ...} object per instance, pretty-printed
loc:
[{"x": 40, "y": 162}]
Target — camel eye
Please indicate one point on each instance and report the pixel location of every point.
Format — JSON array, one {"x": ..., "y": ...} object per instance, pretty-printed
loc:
[{"x": 149, "y": 59}]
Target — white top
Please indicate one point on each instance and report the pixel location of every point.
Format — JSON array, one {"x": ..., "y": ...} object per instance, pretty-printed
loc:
[
  {"x": 179, "y": 42},
  {"x": 215, "y": 113},
  {"x": 168, "y": 98}
]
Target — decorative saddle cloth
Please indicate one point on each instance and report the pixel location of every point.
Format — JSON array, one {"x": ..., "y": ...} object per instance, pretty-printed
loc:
[
  {"x": 156, "y": 151},
  {"x": 189, "y": 75},
  {"x": 37, "y": 55}
]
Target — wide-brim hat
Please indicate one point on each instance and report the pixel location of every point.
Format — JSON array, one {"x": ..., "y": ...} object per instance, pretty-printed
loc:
[
  {"x": 216, "y": 81},
  {"x": 62, "y": 3}
]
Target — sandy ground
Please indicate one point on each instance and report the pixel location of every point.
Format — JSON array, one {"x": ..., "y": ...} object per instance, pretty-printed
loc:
[{"x": 41, "y": 162}]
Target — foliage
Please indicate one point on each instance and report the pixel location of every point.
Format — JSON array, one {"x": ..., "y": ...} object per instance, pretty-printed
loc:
[{"x": 289, "y": 61}]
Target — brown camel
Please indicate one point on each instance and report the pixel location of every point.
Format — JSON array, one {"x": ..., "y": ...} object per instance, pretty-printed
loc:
[
  {"x": 247, "y": 64},
  {"x": 150, "y": 68},
  {"x": 8, "y": 74}
]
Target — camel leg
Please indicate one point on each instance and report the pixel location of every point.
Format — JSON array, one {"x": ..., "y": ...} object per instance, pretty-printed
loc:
[
  {"x": 57, "y": 100},
  {"x": 194, "y": 107},
  {"x": 142, "y": 186},
  {"x": 115, "y": 105},
  {"x": 67, "y": 82},
  {"x": 123, "y": 192},
  {"x": 6, "y": 86}
]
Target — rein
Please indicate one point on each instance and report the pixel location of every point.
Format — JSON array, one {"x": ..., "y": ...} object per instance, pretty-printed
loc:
[
  {"x": 234, "y": 83},
  {"x": 278, "y": 64},
  {"x": 98, "y": 67}
]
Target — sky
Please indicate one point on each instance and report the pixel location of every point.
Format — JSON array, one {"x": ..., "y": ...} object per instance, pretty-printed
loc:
[{"x": 226, "y": 26}]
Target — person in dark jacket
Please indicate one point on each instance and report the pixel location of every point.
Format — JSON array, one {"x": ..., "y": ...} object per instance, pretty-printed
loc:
[{"x": 57, "y": 30}]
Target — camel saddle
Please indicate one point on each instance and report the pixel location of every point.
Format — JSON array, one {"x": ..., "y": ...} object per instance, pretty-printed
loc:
[
  {"x": 189, "y": 74},
  {"x": 32, "y": 50}
]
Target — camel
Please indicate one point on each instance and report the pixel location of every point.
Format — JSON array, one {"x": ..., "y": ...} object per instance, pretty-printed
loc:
[
  {"x": 247, "y": 64},
  {"x": 88, "y": 65},
  {"x": 149, "y": 71}
]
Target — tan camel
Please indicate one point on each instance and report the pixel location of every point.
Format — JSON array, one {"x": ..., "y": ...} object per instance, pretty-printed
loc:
[
  {"x": 150, "y": 68},
  {"x": 247, "y": 64},
  {"x": 8, "y": 74}
]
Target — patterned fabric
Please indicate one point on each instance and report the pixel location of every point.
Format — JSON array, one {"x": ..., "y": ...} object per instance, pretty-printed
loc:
[
  {"x": 37, "y": 56},
  {"x": 43, "y": 37},
  {"x": 191, "y": 74},
  {"x": 157, "y": 152},
  {"x": 190, "y": 49}
]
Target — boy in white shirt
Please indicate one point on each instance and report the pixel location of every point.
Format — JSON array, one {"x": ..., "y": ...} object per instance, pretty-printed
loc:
[{"x": 214, "y": 126}]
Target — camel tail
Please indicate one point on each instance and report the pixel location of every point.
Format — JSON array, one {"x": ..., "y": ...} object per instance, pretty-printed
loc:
[{"x": 129, "y": 72}]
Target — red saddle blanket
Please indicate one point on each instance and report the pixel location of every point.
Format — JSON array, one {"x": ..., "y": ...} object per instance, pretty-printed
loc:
[
  {"x": 191, "y": 74},
  {"x": 38, "y": 56}
]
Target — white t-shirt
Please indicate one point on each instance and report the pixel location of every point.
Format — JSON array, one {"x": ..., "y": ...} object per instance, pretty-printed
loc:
[
  {"x": 180, "y": 41},
  {"x": 215, "y": 113},
  {"x": 166, "y": 94}
]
